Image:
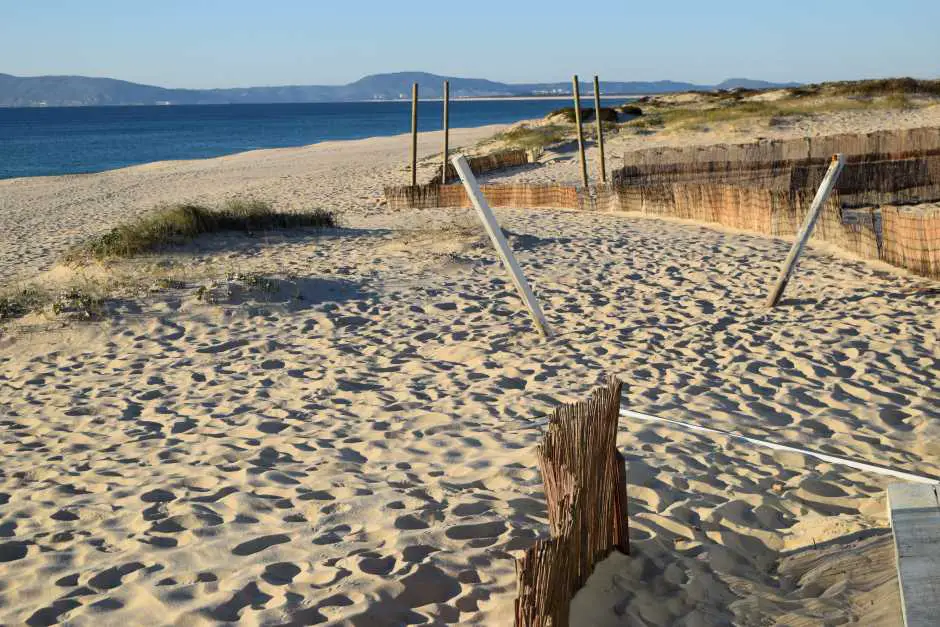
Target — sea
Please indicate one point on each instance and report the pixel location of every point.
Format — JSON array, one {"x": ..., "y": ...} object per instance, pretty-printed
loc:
[{"x": 74, "y": 140}]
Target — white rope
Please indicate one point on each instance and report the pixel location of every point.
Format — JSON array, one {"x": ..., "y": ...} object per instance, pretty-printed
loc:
[{"x": 906, "y": 476}]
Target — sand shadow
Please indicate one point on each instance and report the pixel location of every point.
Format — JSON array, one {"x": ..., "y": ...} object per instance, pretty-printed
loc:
[{"x": 292, "y": 294}]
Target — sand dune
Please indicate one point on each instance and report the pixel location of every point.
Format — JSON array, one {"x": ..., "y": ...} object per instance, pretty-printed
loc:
[{"x": 350, "y": 440}]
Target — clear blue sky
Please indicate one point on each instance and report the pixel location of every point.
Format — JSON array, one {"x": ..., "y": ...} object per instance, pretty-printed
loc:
[{"x": 224, "y": 43}]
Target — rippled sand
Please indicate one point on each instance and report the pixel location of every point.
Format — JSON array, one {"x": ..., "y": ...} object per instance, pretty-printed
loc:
[
  {"x": 341, "y": 427},
  {"x": 359, "y": 447}
]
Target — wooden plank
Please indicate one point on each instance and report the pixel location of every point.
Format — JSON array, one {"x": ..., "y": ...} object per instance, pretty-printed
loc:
[
  {"x": 915, "y": 519},
  {"x": 500, "y": 243},
  {"x": 576, "y": 90},
  {"x": 822, "y": 194}
]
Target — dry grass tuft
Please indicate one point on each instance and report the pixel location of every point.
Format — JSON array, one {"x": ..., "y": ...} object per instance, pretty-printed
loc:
[
  {"x": 531, "y": 137},
  {"x": 179, "y": 223}
]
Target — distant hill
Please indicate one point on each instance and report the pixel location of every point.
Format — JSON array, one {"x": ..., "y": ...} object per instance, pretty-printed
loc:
[
  {"x": 68, "y": 91},
  {"x": 746, "y": 83}
]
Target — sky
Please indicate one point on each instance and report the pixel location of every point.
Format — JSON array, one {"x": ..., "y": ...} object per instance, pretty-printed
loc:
[{"x": 229, "y": 43}]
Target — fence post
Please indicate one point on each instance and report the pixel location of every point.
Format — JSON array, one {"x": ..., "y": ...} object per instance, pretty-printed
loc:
[
  {"x": 500, "y": 243},
  {"x": 822, "y": 194},
  {"x": 446, "y": 132},
  {"x": 586, "y": 496},
  {"x": 577, "y": 119},
  {"x": 600, "y": 128},
  {"x": 414, "y": 135}
]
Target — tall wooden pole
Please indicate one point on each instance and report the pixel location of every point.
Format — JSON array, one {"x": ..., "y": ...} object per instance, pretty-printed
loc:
[
  {"x": 600, "y": 128},
  {"x": 822, "y": 194},
  {"x": 414, "y": 135},
  {"x": 577, "y": 119},
  {"x": 446, "y": 132}
]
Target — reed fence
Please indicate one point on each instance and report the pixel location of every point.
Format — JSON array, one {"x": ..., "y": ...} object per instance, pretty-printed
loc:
[
  {"x": 497, "y": 194},
  {"x": 912, "y": 240},
  {"x": 586, "y": 493},
  {"x": 481, "y": 164},
  {"x": 888, "y": 144},
  {"x": 764, "y": 188}
]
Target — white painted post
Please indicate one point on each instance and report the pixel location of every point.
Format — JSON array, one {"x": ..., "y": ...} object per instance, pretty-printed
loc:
[
  {"x": 822, "y": 194},
  {"x": 499, "y": 242}
]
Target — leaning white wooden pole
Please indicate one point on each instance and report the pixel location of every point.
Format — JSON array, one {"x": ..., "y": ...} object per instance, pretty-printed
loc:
[
  {"x": 822, "y": 195},
  {"x": 500, "y": 243}
]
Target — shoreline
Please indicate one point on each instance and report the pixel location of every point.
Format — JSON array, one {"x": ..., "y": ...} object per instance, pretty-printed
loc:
[{"x": 147, "y": 164}]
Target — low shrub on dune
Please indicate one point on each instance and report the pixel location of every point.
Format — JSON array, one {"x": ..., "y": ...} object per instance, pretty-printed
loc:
[{"x": 179, "y": 223}]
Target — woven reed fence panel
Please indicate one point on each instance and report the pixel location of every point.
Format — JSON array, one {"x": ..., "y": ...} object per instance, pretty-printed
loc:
[
  {"x": 497, "y": 195},
  {"x": 856, "y": 231},
  {"x": 892, "y": 181},
  {"x": 889, "y": 144},
  {"x": 912, "y": 240},
  {"x": 854, "y": 222},
  {"x": 586, "y": 491},
  {"x": 877, "y": 175},
  {"x": 502, "y": 160},
  {"x": 773, "y": 175},
  {"x": 606, "y": 198},
  {"x": 408, "y": 197}
]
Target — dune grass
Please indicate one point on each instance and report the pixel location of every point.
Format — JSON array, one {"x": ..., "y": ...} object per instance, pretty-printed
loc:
[
  {"x": 179, "y": 223},
  {"x": 678, "y": 118},
  {"x": 587, "y": 114},
  {"x": 530, "y": 137},
  {"x": 872, "y": 88}
]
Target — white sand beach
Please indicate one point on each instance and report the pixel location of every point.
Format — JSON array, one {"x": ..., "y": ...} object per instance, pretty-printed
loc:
[{"x": 339, "y": 427}]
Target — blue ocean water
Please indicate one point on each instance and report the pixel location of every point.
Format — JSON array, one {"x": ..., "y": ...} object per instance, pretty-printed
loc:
[{"x": 73, "y": 140}]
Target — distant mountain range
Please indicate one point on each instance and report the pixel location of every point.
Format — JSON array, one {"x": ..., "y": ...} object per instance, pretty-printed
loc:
[{"x": 70, "y": 91}]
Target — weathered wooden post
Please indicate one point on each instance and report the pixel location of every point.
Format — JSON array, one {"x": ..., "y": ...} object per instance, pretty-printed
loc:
[
  {"x": 446, "y": 132},
  {"x": 414, "y": 135},
  {"x": 822, "y": 195},
  {"x": 586, "y": 496},
  {"x": 577, "y": 119},
  {"x": 500, "y": 244},
  {"x": 600, "y": 128}
]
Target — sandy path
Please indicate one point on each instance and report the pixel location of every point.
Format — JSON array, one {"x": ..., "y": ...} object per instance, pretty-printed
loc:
[
  {"x": 40, "y": 217},
  {"x": 365, "y": 456}
]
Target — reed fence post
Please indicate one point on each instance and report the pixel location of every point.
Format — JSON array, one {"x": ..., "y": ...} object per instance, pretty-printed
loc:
[
  {"x": 586, "y": 496},
  {"x": 600, "y": 128},
  {"x": 500, "y": 243},
  {"x": 414, "y": 135},
  {"x": 822, "y": 195},
  {"x": 446, "y": 132},
  {"x": 577, "y": 118}
]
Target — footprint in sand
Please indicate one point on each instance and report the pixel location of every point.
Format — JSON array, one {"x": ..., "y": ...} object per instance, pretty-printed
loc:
[
  {"x": 417, "y": 552},
  {"x": 487, "y": 530},
  {"x": 13, "y": 551},
  {"x": 259, "y": 544},
  {"x": 158, "y": 496},
  {"x": 50, "y": 615},
  {"x": 410, "y": 523},
  {"x": 280, "y": 574},
  {"x": 377, "y": 565},
  {"x": 113, "y": 577}
]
